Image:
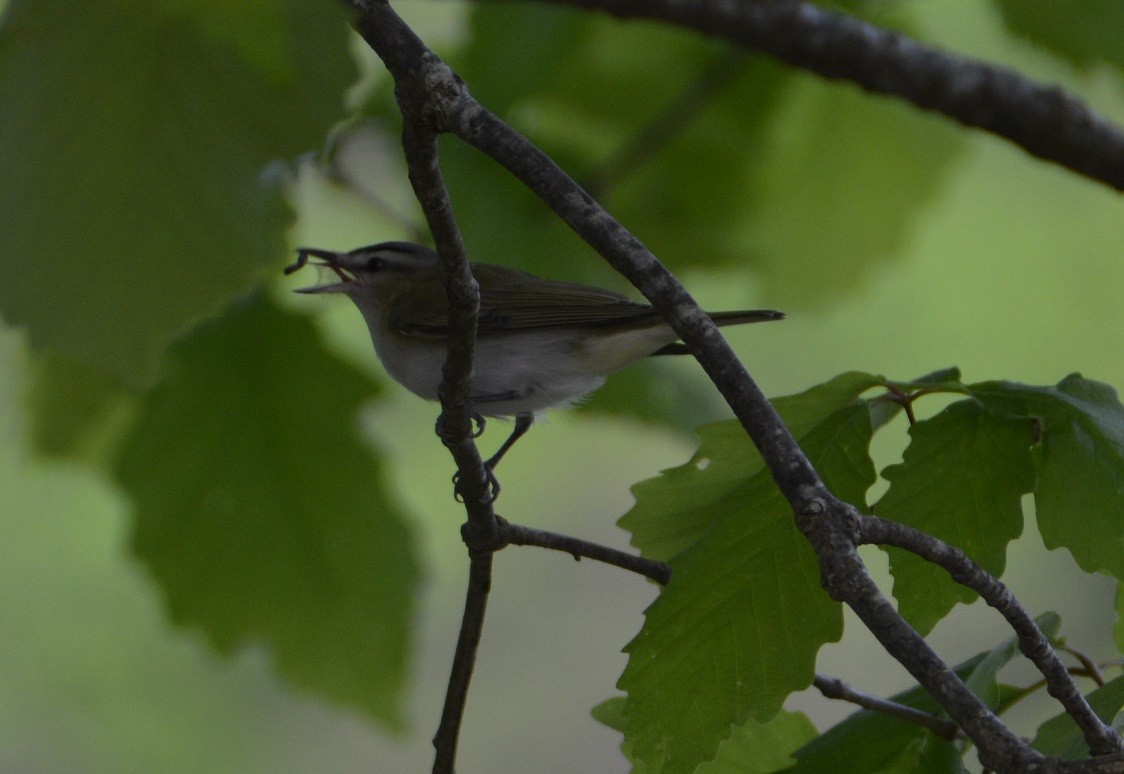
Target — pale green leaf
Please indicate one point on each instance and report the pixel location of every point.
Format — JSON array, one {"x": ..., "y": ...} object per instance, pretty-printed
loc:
[
  {"x": 983, "y": 677},
  {"x": 842, "y": 178}
]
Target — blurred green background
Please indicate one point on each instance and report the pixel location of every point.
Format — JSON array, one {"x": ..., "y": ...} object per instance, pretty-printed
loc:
[{"x": 897, "y": 243}]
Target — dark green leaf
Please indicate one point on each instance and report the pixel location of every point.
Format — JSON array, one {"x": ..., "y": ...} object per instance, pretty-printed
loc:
[
  {"x": 673, "y": 510},
  {"x": 738, "y": 627},
  {"x": 262, "y": 517},
  {"x": 961, "y": 480},
  {"x": 706, "y": 102},
  {"x": 550, "y": 37},
  {"x": 75, "y": 411},
  {"x": 135, "y": 135},
  {"x": 691, "y": 219},
  {"x": 1060, "y": 736},
  {"x": 1084, "y": 31},
  {"x": 1080, "y": 464}
]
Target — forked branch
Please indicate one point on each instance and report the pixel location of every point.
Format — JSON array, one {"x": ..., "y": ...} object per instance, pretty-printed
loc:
[{"x": 432, "y": 97}]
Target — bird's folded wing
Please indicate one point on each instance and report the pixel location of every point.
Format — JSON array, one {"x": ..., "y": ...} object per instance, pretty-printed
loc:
[{"x": 513, "y": 301}]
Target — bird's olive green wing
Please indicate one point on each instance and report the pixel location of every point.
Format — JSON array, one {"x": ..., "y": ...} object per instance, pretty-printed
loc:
[{"x": 511, "y": 300}]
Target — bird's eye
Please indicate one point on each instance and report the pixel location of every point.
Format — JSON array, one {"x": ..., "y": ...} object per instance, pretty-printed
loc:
[{"x": 375, "y": 263}]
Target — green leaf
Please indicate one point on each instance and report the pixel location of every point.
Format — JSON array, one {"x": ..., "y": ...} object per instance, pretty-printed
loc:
[
  {"x": 707, "y": 101},
  {"x": 656, "y": 390},
  {"x": 844, "y": 175},
  {"x": 738, "y": 627},
  {"x": 961, "y": 480},
  {"x": 262, "y": 517},
  {"x": 663, "y": 196},
  {"x": 675, "y": 509},
  {"x": 761, "y": 748},
  {"x": 76, "y": 412},
  {"x": 1059, "y": 736},
  {"x": 1084, "y": 31},
  {"x": 501, "y": 82},
  {"x": 611, "y": 713},
  {"x": 1080, "y": 464},
  {"x": 135, "y": 137},
  {"x": 751, "y": 748}
]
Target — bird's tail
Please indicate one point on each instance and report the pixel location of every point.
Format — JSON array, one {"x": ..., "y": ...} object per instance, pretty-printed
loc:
[
  {"x": 745, "y": 316},
  {"x": 725, "y": 318}
]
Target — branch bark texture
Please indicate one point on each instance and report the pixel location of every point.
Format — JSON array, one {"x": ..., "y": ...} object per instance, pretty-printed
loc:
[{"x": 1046, "y": 121}]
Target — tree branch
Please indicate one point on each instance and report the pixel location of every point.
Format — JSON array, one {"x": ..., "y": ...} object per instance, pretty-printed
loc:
[
  {"x": 1046, "y": 121},
  {"x": 578, "y": 548},
  {"x": 824, "y": 519},
  {"x": 402, "y": 54},
  {"x": 834, "y": 688},
  {"x": 440, "y": 102},
  {"x": 1101, "y": 738},
  {"x": 464, "y": 661}
]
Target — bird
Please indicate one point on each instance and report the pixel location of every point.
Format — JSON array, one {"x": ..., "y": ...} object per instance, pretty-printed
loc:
[{"x": 540, "y": 343}]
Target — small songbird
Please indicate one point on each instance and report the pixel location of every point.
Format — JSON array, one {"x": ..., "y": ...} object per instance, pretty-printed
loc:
[{"x": 540, "y": 343}]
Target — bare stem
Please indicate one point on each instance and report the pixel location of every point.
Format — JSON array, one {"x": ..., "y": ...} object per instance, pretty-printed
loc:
[
  {"x": 834, "y": 688},
  {"x": 464, "y": 661},
  {"x": 579, "y": 549}
]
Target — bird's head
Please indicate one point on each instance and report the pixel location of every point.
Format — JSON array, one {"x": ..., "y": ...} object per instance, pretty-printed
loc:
[{"x": 372, "y": 273}]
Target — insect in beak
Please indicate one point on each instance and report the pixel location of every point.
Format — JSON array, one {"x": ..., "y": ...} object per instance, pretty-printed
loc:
[{"x": 327, "y": 259}]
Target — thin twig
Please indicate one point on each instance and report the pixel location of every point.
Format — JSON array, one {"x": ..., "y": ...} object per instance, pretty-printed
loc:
[
  {"x": 578, "y": 548},
  {"x": 834, "y": 688},
  {"x": 456, "y": 428},
  {"x": 1101, "y": 738},
  {"x": 1039, "y": 685},
  {"x": 1091, "y": 667},
  {"x": 464, "y": 661},
  {"x": 1046, "y": 121}
]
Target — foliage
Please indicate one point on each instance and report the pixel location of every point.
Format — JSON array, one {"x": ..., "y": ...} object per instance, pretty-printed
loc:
[
  {"x": 146, "y": 184},
  {"x": 961, "y": 479}
]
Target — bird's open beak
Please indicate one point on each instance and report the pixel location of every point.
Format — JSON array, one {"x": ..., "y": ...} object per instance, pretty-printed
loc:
[{"x": 327, "y": 259}]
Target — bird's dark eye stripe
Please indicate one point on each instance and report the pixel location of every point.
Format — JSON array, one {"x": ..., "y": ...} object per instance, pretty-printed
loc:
[{"x": 374, "y": 263}]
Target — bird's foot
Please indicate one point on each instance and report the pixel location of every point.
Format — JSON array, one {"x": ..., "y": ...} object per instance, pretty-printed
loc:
[
  {"x": 491, "y": 489},
  {"x": 478, "y": 423}
]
